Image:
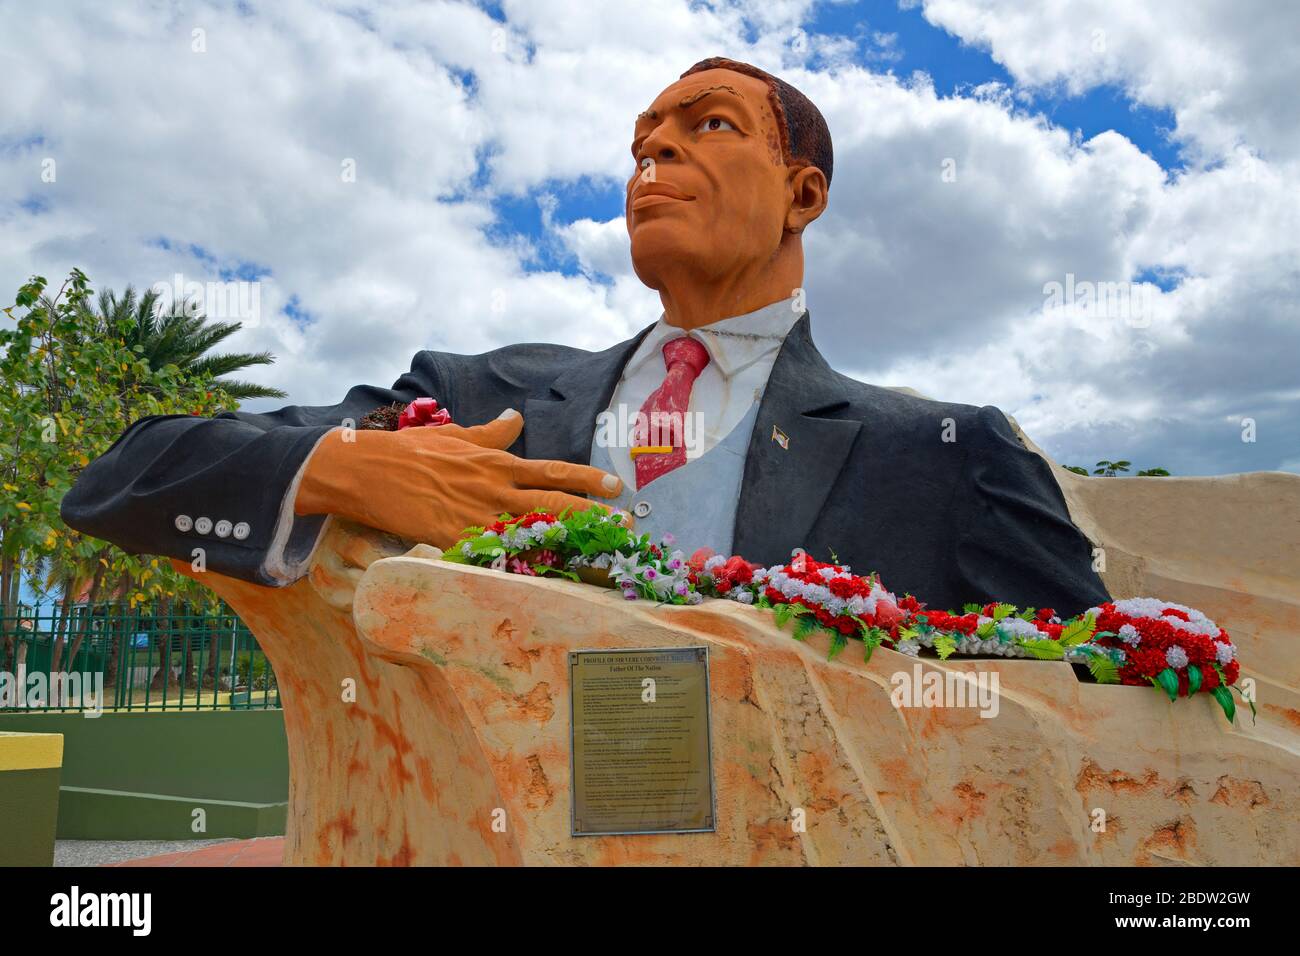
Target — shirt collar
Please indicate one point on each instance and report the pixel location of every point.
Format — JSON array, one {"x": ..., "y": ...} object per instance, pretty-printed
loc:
[{"x": 733, "y": 344}]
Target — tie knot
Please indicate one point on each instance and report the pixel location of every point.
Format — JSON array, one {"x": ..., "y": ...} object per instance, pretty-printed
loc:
[{"x": 686, "y": 350}]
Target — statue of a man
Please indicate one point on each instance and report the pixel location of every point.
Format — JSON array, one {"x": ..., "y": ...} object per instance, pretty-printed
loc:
[{"x": 767, "y": 448}]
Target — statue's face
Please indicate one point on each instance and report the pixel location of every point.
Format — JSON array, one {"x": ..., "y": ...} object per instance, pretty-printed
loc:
[{"x": 716, "y": 198}]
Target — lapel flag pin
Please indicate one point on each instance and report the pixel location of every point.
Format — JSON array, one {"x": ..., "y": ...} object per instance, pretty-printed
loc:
[{"x": 781, "y": 438}]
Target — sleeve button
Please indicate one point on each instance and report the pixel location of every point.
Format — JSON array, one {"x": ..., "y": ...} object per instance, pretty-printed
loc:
[
  {"x": 222, "y": 528},
  {"x": 184, "y": 523},
  {"x": 241, "y": 531},
  {"x": 203, "y": 525}
]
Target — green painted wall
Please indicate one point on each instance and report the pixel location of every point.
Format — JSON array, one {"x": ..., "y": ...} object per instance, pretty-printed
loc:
[
  {"x": 223, "y": 755},
  {"x": 119, "y": 769},
  {"x": 29, "y": 806}
]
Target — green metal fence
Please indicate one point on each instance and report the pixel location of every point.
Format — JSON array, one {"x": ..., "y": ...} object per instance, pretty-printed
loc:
[{"x": 113, "y": 657}]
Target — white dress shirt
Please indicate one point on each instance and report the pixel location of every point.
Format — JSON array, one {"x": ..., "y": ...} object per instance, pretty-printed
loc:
[{"x": 742, "y": 351}]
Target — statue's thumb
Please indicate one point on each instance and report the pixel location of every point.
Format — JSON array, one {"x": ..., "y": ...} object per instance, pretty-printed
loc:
[{"x": 499, "y": 433}]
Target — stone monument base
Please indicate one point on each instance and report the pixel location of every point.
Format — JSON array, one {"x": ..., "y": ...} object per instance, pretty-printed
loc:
[{"x": 427, "y": 711}]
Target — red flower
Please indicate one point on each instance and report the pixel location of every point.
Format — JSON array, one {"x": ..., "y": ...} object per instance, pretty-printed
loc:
[
  {"x": 534, "y": 517},
  {"x": 888, "y": 615},
  {"x": 739, "y": 570},
  {"x": 696, "y": 561},
  {"x": 1045, "y": 614},
  {"x": 423, "y": 411}
]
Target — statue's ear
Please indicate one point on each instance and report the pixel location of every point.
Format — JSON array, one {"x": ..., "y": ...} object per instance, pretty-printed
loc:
[{"x": 809, "y": 194}]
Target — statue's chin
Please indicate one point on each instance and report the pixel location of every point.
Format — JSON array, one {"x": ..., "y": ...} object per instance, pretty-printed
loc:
[{"x": 658, "y": 254}]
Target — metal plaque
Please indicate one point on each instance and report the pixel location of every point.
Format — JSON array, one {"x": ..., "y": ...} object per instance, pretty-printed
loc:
[{"x": 640, "y": 748}]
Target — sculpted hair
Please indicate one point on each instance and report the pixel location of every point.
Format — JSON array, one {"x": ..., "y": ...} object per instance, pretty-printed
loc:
[{"x": 805, "y": 137}]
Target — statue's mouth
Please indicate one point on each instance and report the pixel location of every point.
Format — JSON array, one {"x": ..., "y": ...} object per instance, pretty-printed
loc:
[{"x": 654, "y": 194}]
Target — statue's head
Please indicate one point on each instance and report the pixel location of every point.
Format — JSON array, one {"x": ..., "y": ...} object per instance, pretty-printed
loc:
[{"x": 731, "y": 165}]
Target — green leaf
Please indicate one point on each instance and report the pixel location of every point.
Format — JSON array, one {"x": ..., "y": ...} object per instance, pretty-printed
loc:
[
  {"x": 542, "y": 569},
  {"x": 1224, "y": 697},
  {"x": 1103, "y": 669},
  {"x": 1003, "y": 610},
  {"x": 972, "y": 608},
  {"x": 1078, "y": 630},
  {"x": 985, "y": 631},
  {"x": 1193, "y": 679},
  {"x": 1253, "y": 713},
  {"x": 838, "y": 643},
  {"x": 804, "y": 627},
  {"x": 871, "y": 639},
  {"x": 945, "y": 646},
  {"x": 1044, "y": 650},
  {"x": 782, "y": 614},
  {"x": 1167, "y": 681}
]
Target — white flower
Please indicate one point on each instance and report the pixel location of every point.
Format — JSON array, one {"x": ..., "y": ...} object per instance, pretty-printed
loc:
[
  {"x": 1014, "y": 627},
  {"x": 1176, "y": 657},
  {"x": 623, "y": 569},
  {"x": 743, "y": 596},
  {"x": 910, "y": 648},
  {"x": 1129, "y": 635},
  {"x": 714, "y": 563},
  {"x": 857, "y": 605},
  {"x": 760, "y": 576},
  {"x": 1197, "y": 623},
  {"x": 1224, "y": 653}
]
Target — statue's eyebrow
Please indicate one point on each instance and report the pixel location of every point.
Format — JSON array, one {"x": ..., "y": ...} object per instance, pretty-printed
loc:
[
  {"x": 692, "y": 99},
  {"x": 697, "y": 96}
]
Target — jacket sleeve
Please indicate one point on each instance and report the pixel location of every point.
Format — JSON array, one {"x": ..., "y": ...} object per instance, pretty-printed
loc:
[
  {"x": 172, "y": 484},
  {"x": 1017, "y": 543}
]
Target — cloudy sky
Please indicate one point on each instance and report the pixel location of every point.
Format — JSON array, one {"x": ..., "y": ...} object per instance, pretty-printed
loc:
[{"x": 1083, "y": 211}]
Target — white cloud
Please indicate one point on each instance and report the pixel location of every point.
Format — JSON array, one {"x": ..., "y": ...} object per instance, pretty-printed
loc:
[{"x": 913, "y": 279}]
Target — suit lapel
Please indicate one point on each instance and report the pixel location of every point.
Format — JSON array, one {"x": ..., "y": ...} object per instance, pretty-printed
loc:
[
  {"x": 784, "y": 488},
  {"x": 561, "y": 426}
]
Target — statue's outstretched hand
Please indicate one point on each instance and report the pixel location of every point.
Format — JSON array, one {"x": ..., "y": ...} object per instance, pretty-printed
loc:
[{"x": 428, "y": 484}]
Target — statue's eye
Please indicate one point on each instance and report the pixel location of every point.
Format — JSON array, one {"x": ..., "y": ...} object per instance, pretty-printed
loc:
[{"x": 713, "y": 124}]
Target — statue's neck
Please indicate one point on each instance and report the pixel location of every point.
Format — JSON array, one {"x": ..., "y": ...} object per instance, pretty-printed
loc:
[{"x": 691, "y": 301}]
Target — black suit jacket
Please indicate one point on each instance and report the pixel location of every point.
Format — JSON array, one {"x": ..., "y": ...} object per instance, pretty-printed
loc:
[{"x": 867, "y": 475}]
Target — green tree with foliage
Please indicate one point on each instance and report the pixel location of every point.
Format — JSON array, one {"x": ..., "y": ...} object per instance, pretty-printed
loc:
[
  {"x": 1111, "y": 469},
  {"x": 71, "y": 381},
  {"x": 181, "y": 336}
]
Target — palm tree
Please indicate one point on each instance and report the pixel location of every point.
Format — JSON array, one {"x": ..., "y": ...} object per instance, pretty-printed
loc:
[
  {"x": 1109, "y": 469},
  {"x": 182, "y": 337}
]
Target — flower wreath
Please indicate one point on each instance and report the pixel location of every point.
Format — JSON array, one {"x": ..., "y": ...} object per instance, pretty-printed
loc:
[{"x": 1136, "y": 641}]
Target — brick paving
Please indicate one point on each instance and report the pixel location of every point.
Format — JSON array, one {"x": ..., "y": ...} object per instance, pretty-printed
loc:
[{"x": 263, "y": 851}]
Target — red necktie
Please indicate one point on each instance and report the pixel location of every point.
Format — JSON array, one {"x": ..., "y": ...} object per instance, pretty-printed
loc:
[{"x": 664, "y": 412}]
